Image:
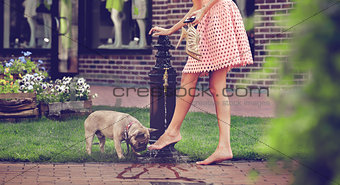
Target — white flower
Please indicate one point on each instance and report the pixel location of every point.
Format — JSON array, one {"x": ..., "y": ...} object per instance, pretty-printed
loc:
[
  {"x": 30, "y": 77},
  {"x": 62, "y": 88},
  {"x": 44, "y": 86},
  {"x": 68, "y": 79},
  {"x": 38, "y": 78},
  {"x": 30, "y": 87},
  {"x": 52, "y": 90},
  {"x": 95, "y": 95},
  {"x": 80, "y": 83},
  {"x": 22, "y": 87}
]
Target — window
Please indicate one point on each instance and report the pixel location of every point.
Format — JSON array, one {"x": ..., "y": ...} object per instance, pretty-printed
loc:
[
  {"x": 115, "y": 25},
  {"x": 26, "y": 24},
  {"x": 48, "y": 27}
]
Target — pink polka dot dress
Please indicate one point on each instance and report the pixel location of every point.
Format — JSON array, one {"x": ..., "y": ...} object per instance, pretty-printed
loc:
[{"x": 224, "y": 42}]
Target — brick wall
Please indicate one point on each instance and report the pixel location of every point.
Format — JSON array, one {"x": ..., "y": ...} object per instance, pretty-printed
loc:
[{"x": 270, "y": 30}]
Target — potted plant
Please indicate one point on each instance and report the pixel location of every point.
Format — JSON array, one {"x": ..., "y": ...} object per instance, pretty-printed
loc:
[{"x": 63, "y": 96}]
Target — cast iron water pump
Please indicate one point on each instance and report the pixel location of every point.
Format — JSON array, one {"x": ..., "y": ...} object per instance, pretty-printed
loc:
[{"x": 162, "y": 89}]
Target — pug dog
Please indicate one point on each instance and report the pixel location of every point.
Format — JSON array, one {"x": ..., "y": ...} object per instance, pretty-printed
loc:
[{"x": 119, "y": 127}]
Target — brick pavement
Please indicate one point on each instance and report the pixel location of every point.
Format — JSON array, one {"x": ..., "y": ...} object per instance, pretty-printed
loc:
[{"x": 152, "y": 173}]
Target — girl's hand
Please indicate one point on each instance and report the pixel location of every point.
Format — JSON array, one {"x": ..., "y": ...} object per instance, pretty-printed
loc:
[
  {"x": 159, "y": 31},
  {"x": 199, "y": 14}
]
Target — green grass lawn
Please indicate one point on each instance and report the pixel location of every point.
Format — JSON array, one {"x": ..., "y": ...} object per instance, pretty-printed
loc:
[{"x": 47, "y": 140}]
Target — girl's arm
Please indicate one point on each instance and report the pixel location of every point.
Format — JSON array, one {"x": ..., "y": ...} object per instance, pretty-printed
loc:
[
  {"x": 178, "y": 25},
  {"x": 201, "y": 12},
  {"x": 210, "y": 4}
]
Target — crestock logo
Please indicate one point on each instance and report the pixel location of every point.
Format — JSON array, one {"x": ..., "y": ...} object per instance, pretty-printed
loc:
[{"x": 194, "y": 92}]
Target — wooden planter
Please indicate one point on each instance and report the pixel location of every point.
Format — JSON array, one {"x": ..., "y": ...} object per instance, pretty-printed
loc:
[
  {"x": 18, "y": 105},
  {"x": 62, "y": 110}
]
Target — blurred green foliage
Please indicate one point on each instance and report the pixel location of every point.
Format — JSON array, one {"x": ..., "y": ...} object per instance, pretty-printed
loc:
[{"x": 308, "y": 125}]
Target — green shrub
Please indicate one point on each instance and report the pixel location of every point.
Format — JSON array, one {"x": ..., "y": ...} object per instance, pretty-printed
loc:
[{"x": 309, "y": 132}]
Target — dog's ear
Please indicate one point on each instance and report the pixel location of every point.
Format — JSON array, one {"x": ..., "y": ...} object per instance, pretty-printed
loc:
[
  {"x": 137, "y": 133},
  {"x": 152, "y": 130},
  {"x": 134, "y": 133}
]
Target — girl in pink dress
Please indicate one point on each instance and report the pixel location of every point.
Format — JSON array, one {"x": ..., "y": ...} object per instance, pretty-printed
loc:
[{"x": 223, "y": 45}]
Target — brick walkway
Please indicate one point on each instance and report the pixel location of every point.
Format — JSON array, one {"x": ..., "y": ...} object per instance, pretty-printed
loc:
[{"x": 162, "y": 174}]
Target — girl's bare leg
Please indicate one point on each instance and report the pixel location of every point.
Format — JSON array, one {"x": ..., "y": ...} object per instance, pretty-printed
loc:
[
  {"x": 183, "y": 103},
  {"x": 217, "y": 84}
]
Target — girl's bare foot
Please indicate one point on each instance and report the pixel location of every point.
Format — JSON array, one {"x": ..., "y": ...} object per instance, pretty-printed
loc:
[
  {"x": 164, "y": 140},
  {"x": 216, "y": 157}
]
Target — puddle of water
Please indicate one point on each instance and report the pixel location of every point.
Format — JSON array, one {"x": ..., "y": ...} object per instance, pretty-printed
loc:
[
  {"x": 166, "y": 155},
  {"x": 153, "y": 154},
  {"x": 144, "y": 168}
]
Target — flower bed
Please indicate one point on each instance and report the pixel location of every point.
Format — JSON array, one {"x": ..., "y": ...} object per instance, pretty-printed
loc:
[{"x": 66, "y": 95}]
